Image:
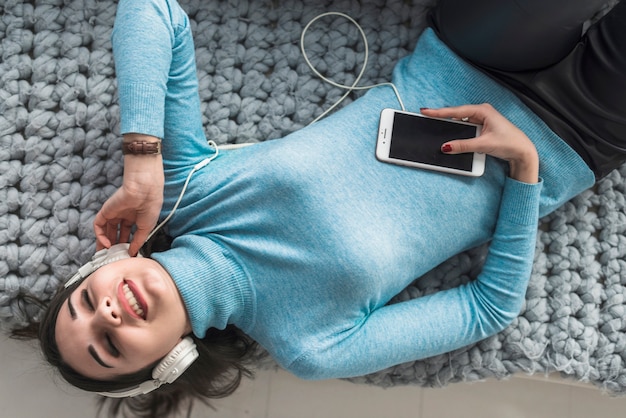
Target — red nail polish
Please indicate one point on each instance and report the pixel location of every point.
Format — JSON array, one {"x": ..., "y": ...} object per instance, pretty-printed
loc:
[
  {"x": 446, "y": 148},
  {"x": 423, "y": 108}
]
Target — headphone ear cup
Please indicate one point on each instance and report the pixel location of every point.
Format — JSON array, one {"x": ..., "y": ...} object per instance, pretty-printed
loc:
[
  {"x": 169, "y": 369},
  {"x": 176, "y": 361}
]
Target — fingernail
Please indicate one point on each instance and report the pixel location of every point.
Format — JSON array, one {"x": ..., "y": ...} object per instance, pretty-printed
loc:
[
  {"x": 446, "y": 148},
  {"x": 424, "y": 108}
]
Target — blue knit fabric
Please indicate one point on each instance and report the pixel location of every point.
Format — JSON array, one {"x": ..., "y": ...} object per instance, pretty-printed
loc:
[{"x": 302, "y": 241}]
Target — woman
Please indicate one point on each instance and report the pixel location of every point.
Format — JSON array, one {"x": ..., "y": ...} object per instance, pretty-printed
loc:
[{"x": 301, "y": 242}]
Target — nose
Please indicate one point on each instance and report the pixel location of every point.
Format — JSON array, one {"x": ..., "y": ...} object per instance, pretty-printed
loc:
[{"x": 107, "y": 313}]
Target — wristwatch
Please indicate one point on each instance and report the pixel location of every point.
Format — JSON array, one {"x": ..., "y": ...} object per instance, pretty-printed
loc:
[{"x": 141, "y": 147}]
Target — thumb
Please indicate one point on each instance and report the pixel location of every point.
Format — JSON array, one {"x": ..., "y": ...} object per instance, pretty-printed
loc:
[{"x": 139, "y": 238}]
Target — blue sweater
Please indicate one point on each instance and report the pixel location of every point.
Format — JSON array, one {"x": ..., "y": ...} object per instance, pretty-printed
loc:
[{"x": 302, "y": 241}]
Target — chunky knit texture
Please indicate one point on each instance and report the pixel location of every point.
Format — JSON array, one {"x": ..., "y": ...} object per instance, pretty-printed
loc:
[{"x": 60, "y": 159}]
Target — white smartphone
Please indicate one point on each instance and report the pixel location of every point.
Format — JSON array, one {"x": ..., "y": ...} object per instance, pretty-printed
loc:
[{"x": 415, "y": 140}]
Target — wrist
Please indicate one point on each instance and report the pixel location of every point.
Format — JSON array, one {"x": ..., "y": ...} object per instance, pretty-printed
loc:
[
  {"x": 525, "y": 169},
  {"x": 143, "y": 176},
  {"x": 142, "y": 168}
]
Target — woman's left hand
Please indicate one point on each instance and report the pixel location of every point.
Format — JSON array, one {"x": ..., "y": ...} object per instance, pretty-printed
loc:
[{"x": 499, "y": 138}]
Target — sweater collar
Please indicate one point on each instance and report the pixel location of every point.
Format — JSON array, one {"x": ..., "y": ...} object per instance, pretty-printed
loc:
[{"x": 213, "y": 286}]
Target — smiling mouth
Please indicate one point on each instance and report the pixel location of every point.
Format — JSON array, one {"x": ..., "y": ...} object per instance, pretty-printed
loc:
[{"x": 134, "y": 302}]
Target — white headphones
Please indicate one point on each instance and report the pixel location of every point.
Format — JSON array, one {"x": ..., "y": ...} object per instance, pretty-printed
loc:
[
  {"x": 173, "y": 364},
  {"x": 105, "y": 256},
  {"x": 169, "y": 369}
]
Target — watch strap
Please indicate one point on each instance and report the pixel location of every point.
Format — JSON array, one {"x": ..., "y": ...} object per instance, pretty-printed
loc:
[{"x": 141, "y": 147}]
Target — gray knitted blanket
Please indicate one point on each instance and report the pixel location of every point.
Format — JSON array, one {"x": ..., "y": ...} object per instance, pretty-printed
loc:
[{"x": 60, "y": 159}]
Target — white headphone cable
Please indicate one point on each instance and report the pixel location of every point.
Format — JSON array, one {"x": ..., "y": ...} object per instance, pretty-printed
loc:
[
  {"x": 358, "y": 78},
  {"x": 195, "y": 168},
  {"x": 350, "y": 88},
  {"x": 329, "y": 81}
]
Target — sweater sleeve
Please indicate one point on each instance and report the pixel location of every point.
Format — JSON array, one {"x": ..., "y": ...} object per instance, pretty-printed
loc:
[
  {"x": 156, "y": 76},
  {"x": 142, "y": 41},
  {"x": 446, "y": 320}
]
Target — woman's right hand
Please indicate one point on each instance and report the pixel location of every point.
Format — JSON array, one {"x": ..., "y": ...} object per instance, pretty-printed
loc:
[
  {"x": 499, "y": 138},
  {"x": 138, "y": 202}
]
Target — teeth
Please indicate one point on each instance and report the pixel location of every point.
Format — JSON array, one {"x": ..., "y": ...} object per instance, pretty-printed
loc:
[{"x": 132, "y": 301}]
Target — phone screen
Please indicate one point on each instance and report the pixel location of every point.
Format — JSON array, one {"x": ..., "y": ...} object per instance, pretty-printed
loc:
[{"x": 419, "y": 139}]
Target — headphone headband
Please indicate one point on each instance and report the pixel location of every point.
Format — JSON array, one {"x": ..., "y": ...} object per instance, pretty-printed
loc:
[{"x": 105, "y": 256}]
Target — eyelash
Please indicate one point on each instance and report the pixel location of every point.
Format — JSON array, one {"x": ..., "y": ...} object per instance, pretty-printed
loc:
[
  {"x": 112, "y": 348},
  {"x": 85, "y": 296}
]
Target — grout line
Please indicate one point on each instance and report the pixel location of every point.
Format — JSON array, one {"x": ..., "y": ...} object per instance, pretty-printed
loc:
[
  {"x": 570, "y": 402},
  {"x": 269, "y": 392},
  {"x": 421, "y": 408},
  {"x": 556, "y": 379}
]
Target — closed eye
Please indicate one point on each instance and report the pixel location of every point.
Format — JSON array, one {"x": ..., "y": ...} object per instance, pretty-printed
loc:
[
  {"x": 111, "y": 347},
  {"x": 85, "y": 297}
]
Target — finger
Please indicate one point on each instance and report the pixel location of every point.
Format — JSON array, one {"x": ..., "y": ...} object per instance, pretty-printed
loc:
[
  {"x": 471, "y": 113},
  {"x": 461, "y": 146},
  {"x": 139, "y": 238},
  {"x": 102, "y": 242},
  {"x": 105, "y": 225},
  {"x": 111, "y": 231},
  {"x": 100, "y": 230},
  {"x": 124, "y": 233}
]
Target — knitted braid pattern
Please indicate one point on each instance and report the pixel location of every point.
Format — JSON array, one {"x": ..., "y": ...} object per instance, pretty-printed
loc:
[{"x": 60, "y": 159}]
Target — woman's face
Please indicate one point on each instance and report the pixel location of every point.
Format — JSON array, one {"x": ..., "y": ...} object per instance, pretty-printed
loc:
[{"x": 122, "y": 318}]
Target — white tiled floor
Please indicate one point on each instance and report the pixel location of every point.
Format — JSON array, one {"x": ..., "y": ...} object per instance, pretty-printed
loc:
[{"x": 27, "y": 390}]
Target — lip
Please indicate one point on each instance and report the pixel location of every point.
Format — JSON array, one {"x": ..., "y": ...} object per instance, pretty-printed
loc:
[{"x": 124, "y": 302}]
